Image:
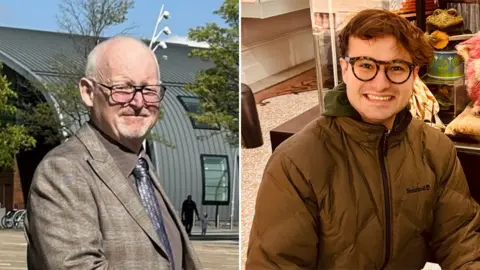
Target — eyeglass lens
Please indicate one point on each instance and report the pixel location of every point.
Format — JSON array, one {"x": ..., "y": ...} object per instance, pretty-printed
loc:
[
  {"x": 367, "y": 69},
  {"x": 152, "y": 94}
]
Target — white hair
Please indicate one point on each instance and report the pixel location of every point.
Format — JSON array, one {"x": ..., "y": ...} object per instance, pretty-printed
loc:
[{"x": 91, "y": 66}]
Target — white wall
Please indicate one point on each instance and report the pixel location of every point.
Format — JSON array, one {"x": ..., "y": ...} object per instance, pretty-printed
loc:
[{"x": 276, "y": 45}]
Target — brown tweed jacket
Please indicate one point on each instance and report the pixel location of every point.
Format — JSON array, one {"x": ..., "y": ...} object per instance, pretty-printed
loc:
[{"x": 83, "y": 214}]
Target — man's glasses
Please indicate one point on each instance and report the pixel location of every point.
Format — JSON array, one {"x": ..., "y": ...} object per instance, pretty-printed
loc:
[
  {"x": 366, "y": 69},
  {"x": 124, "y": 93}
]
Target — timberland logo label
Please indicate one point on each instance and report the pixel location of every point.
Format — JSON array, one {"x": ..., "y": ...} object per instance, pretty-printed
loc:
[{"x": 418, "y": 189}]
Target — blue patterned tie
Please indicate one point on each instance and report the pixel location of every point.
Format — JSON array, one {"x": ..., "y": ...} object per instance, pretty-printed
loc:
[{"x": 150, "y": 202}]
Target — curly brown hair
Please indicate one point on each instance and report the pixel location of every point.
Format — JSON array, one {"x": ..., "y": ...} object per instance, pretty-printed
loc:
[{"x": 372, "y": 23}]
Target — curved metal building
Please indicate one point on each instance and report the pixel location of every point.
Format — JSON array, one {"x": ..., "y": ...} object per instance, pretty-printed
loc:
[{"x": 196, "y": 160}]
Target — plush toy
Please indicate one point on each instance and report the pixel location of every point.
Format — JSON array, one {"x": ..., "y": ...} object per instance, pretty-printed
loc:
[
  {"x": 467, "y": 124},
  {"x": 470, "y": 51},
  {"x": 442, "y": 24}
]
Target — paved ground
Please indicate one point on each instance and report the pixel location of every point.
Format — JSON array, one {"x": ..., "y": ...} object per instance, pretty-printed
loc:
[
  {"x": 213, "y": 254},
  {"x": 275, "y": 112},
  {"x": 217, "y": 255},
  {"x": 12, "y": 250}
]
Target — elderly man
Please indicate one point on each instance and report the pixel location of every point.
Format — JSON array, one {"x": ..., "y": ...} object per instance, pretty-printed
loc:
[
  {"x": 95, "y": 202},
  {"x": 365, "y": 186}
]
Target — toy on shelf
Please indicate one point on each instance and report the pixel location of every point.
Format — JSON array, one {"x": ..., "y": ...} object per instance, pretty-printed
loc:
[
  {"x": 470, "y": 51},
  {"x": 467, "y": 124},
  {"x": 445, "y": 29},
  {"x": 441, "y": 25}
]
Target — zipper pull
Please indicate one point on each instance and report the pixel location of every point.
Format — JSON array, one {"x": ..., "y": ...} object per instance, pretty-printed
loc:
[{"x": 385, "y": 142}]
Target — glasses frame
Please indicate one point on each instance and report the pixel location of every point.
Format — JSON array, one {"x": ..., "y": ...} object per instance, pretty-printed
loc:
[
  {"x": 352, "y": 60},
  {"x": 137, "y": 88}
]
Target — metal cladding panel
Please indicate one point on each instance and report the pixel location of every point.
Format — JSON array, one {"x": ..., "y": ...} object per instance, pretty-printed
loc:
[{"x": 180, "y": 168}]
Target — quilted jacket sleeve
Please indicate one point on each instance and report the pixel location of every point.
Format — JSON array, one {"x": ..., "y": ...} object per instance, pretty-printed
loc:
[
  {"x": 456, "y": 229},
  {"x": 283, "y": 233}
]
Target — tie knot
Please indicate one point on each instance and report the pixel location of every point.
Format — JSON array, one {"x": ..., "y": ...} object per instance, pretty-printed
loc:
[{"x": 141, "y": 165}]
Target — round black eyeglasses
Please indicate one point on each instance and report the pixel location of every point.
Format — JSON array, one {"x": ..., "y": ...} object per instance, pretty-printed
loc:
[{"x": 366, "y": 69}]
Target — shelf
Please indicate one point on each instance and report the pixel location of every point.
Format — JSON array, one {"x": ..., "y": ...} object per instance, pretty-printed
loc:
[
  {"x": 262, "y": 9},
  {"x": 413, "y": 15},
  {"x": 429, "y": 80},
  {"x": 471, "y": 148}
]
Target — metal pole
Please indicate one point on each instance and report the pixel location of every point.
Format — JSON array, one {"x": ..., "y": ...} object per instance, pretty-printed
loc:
[
  {"x": 235, "y": 164},
  {"x": 159, "y": 19},
  {"x": 420, "y": 14},
  {"x": 333, "y": 42},
  {"x": 217, "y": 217}
]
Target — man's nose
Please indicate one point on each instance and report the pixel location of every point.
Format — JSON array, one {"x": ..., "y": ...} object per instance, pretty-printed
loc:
[
  {"x": 381, "y": 82},
  {"x": 137, "y": 101}
]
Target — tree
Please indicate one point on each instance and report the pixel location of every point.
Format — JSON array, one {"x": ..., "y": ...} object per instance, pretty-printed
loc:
[
  {"x": 13, "y": 137},
  {"x": 217, "y": 87}
]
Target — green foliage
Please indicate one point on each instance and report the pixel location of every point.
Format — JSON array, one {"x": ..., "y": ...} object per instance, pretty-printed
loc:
[
  {"x": 13, "y": 137},
  {"x": 69, "y": 105},
  {"x": 42, "y": 122},
  {"x": 217, "y": 87},
  {"x": 6, "y": 93},
  {"x": 152, "y": 136}
]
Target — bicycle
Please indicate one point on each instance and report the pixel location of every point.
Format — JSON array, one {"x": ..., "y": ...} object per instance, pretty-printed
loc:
[
  {"x": 7, "y": 220},
  {"x": 19, "y": 219}
]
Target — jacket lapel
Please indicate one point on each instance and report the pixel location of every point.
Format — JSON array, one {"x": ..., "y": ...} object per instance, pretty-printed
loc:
[
  {"x": 103, "y": 164},
  {"x": 191, "y": 259}
]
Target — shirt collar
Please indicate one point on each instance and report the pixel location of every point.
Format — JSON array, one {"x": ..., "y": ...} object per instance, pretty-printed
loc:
[{"x": 124, "y": 158}]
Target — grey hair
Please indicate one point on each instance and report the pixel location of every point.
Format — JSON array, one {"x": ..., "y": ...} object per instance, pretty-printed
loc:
[{"x": 91, "y": 66}]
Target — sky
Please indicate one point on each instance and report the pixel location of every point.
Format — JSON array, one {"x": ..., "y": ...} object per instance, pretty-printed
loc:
[{"x": 184, "y": 14}]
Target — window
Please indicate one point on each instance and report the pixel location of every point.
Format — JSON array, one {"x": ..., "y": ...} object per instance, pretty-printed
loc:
[
  {"x": 192, "y": 105},
  {"x": 216, "y": 180}
]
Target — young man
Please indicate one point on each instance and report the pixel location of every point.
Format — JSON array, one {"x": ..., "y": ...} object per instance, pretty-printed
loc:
[
  {"x": 366, "y": 186},
  {"x": 95, "y": 202}
]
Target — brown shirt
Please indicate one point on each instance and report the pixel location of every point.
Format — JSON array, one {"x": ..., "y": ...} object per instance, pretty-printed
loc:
[{"x": 126, "y": 161}]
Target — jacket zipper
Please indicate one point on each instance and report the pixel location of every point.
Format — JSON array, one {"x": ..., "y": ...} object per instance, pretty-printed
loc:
[{"x": 383, "y": 149}]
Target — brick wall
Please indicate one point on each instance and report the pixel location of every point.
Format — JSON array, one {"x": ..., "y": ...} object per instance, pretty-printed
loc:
[
  {"x": 11, "y": 188},
  {"x": 17, "y": 189},
  {"x": 6, "y": 185}
]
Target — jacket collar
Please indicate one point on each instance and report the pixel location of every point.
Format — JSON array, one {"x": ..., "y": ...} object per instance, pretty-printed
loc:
[{"x": 371, "y": 135}]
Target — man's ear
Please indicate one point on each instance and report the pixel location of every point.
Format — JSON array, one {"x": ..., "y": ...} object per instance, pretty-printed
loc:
[
  {"x": 344, "y": 67},
  {"x": 86, "y": 91}
]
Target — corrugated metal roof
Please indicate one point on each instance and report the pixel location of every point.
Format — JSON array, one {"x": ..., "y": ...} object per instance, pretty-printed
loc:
[{"x": 38, "y": 50}]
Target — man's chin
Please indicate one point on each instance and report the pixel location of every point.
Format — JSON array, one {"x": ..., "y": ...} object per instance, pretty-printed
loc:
[{"x": 133, "y": 131}]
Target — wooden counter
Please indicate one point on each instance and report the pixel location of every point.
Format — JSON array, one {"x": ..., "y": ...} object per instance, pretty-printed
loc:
[{"x": 469, "y": 154}]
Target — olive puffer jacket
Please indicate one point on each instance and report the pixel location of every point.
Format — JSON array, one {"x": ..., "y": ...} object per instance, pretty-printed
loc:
[{"x": 343, "y": 194}]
